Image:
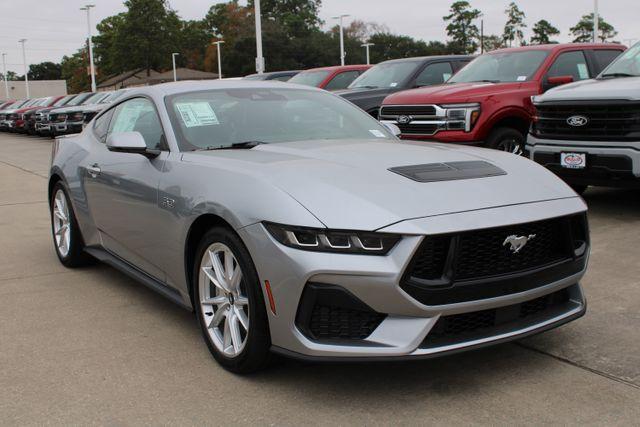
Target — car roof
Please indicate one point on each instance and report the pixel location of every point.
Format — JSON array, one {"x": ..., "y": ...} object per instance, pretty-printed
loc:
[
  {"x": 339, "y": 68},
  {"x": 558, "y": 46},
  {"x": 428, "y": 58}
]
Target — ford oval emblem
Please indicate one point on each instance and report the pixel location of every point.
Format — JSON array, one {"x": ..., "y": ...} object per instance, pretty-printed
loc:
[
  {"x": 577, "y": 121},
  {"x": 403, "y": 120}
]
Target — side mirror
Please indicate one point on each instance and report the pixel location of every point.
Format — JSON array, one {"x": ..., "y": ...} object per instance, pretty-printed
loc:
[
  {"x": 395, "y": 130},
  {"x": 559, "y": 80},
  {"x": 130, "y": 142}
]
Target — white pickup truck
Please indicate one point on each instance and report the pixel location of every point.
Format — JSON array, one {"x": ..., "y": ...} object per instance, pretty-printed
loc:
[{"x": 588, "y": 132}]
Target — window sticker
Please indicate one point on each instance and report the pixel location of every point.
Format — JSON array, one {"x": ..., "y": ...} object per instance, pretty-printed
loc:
[
  {"x": 583, "y": 72},
  {"x": 394, "y": 84},
  {"x": 521, "y": 78},
  {"x": 446, "y": 76},
  {"x": 197, "y": 113},
  {"x": 377, "y": 133}
]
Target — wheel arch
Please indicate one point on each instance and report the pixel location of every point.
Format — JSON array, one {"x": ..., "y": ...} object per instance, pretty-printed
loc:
[
  {"x": 511, "y": 118},
  {"x": 53, "y": 180},
  {"x": 197, "y": 229}
]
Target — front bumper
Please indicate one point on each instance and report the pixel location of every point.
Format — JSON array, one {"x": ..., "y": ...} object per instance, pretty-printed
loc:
[
  {"x": 609, "y": 164},
  {"x": 376, "y": 282}
]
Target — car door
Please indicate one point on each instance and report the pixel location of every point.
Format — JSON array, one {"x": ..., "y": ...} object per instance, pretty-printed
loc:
[
  {"x": 434, "y": 74},
  {"x": 122, "y": 188}
]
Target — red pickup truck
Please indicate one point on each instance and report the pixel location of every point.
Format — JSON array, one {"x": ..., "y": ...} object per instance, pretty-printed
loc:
[{"x": 488, "y": 102}]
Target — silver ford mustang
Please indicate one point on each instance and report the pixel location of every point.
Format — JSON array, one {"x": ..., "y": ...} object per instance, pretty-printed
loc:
[{"x": 294, "y": 223}]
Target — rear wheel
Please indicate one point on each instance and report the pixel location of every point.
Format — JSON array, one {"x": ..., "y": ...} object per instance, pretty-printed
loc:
[
  {"x": 507, "y": 139},
  {"x": 229, "y": 303}
]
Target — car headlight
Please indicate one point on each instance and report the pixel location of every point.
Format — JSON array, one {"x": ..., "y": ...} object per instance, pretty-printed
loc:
[
  {"x": 338, "y": 241},
  {"x": 76, "y": 117},
  {"x": 461, "y": 116}
]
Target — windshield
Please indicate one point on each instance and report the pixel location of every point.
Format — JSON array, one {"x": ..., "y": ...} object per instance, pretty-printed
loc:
[
  {"x": 62, "y": 101},
  {"x": 311, "y": 78},
  {"x": 45, "y": 101},
  {"x": 220, "y": 118},
  {"x": 96, "y": 98},
  {"x": 387, "y": 74},
  {"x": 113, "y": 96},
  {"x": 501, "y": 67},
  {"x": 627, "y": 64},
  {"x": 79, "y": 99},
  {"x": 255, "y": 77}
]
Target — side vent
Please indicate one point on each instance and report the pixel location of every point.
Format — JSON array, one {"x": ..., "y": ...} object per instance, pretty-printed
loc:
[{"x": 432, "y": 172}]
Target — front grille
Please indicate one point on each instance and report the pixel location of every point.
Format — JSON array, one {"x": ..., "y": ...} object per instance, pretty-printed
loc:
[
  {"x": 329, "y": 313},
  {"x": 465, "y": 326},
  {"x": 611, "y": 121},
  {"x": 330, "y": 323},
  {"x": 483, "y": 253},
  {"x": 408, "y": 110},
  {"x": 480, "y": 264},
  {"x": 418, "y": 129}
]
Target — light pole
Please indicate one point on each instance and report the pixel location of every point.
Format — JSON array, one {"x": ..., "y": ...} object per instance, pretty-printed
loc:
[
  {"x": 4, "y": 73},
  {"x": 173, "y": 60},
  {"x": 259, "y": 57},
  {"x": 342, "y": 55},
  {"x": 366, "y": 46},
  {"x": 596, "y": 21},
  {"x": 218, "y": 43},
  {"x": 24, "y": 60},
  {"x": 90, "y": 43}
]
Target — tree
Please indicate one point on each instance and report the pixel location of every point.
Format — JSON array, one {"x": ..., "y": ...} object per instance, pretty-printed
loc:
[
  {"x": 74, "y": 70},
  {"x": 11, "y": 75},
  {"x": 461, "y": 29},
  {"x": 515, "y": 24},
  {"x": 543, "y": 31},
  {"x": 45, "y": 71},
  {"x": 492, "y": 42},
  {"x": 583, "y": 30}
]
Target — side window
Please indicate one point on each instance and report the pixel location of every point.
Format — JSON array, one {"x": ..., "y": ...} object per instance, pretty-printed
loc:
[
  {"x": 138, "y": 115},
  {"x": 101, "y": 125},
  {"x": 570, "y": 64},
  {"x": 434, "y": 74},
  {"x": 342, "y": 80},
  {"x": 605, "y": 57}
]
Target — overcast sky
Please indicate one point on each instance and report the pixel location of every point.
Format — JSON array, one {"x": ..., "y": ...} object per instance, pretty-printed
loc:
[{"x": 54, "y": 28}]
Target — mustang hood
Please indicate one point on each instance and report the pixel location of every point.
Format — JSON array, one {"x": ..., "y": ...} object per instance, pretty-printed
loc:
[
  {"x": 348, "y": 185},
  {"x": 618, "y": 88},
  {"x": 451, "y": 93}
]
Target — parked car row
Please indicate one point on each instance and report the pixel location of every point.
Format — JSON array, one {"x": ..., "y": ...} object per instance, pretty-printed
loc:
[{"x": 55, "y": 115}]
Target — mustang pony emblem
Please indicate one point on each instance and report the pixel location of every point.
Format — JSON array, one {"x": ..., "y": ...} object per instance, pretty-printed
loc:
[{"x": 517, "y": 242}]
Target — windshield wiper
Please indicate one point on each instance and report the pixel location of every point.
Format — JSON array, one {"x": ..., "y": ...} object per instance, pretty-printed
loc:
[
  {"x": 618, "y": 75},
  {"x": 366, "y": 87},
  {"x": 485, "y": 81},
  {"x": 246, "y": 145}
]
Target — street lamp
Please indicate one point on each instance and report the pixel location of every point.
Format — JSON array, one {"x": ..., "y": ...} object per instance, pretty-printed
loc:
[
  {"x": 90, "y": 43},
  {"x": 218, "y": 43},
  {"x": 596, "y": 21},
  {"x": 4, "y": 73},
  {"x": 173, "y": 60},
  {"x": 24, "y": 60},
  {"x": 366, "y": 46},
  {"x": 259, "y": 57},
  {"x": 342, "y": 54}
]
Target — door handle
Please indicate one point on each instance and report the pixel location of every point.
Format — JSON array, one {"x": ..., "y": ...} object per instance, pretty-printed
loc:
[{"x": 94, "y": 170}]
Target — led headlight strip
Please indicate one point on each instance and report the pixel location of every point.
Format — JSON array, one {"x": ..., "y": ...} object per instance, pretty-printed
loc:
[{"x": 338, "y": 241}]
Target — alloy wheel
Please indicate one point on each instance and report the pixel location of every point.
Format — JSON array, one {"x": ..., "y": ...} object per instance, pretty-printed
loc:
[
  {"x": 61, "y": 223},
  {"x": 510, "y": 145},
  {"x": 223, "y": 300}
]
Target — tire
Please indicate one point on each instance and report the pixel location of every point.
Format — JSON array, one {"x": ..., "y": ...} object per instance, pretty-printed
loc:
[
  {"x": 71, "y": 253},
  {"x": 507, "y": 139},
  {"x": 249, "y": 350}
]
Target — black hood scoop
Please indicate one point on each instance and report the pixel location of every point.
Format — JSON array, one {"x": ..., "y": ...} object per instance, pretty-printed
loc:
[{"x": 433, "y": 172}]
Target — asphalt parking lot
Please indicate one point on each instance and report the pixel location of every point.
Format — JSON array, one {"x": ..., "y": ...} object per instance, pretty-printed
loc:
[{"x": 93, "y": 346}]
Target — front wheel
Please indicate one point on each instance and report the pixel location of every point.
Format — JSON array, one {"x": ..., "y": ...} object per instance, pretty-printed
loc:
[
  {"x": 507, "y": 139},
  {"x": 66, "y": 233},
  {"x": 229, "y": 303}
]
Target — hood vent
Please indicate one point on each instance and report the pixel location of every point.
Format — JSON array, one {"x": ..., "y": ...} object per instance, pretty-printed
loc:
[{"x": 432, "y": 172}]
